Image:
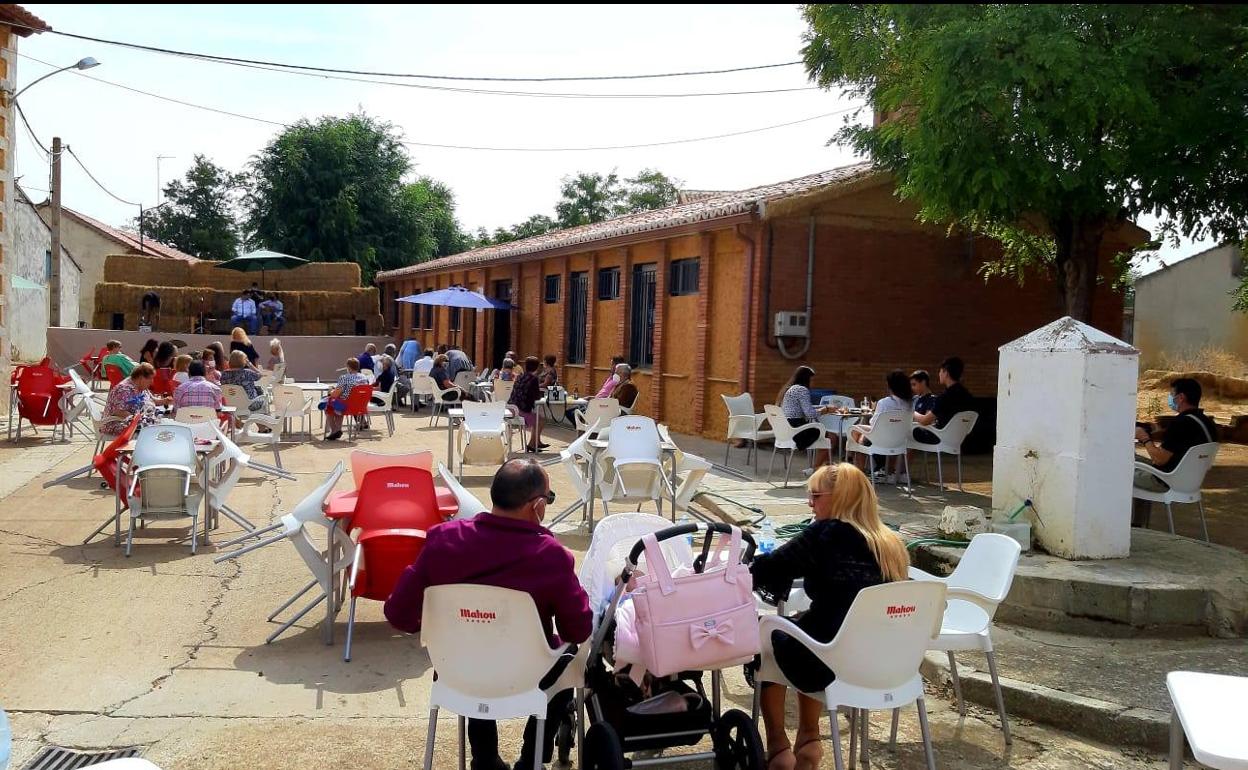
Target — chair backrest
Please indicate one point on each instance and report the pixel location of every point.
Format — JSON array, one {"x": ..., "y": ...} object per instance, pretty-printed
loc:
[
  {"x": 196, "y": 414},
  {"x": 396, "y": 497},
  {"x": 601, "y": 411},
  {"x": 469, "y": 505},
  {"x": 235, "y": 396},
  {"x": 311, "y": 507},
  {"x": 38, "y": 397},
  {"x": 225, "y": 467},
  {"x": 288, "y": 400},
  {"x": 884, "y": 635},
  {"x": 987, "y": 567},
  {"x": 165, "y": 444},
  {"x": 779, "y": 423},
  {"x": 464, "y": 379},
  {"x": 107, "y": 462},
  {"x": 502, "y": 391},
  {"x": 633, "y": 438},
  {"x": 959, "y": 427},
  {"x": 693, "y": 470},
  {"x": 362, "y": 462},
  {"x": 387, "y": 554},
  {"x": 1189, "y": 475},
  {"x": 892, "y": 429},
  {"x": 162, "y": 383},
  {"x": 114, "y": 375},
  {"x": 386, "y": 397},
  {"x": 485, "y": 417},
  {"x": 485, "y": 643},
  {"x": 845, "y": 401},
  {"x": 369, "y": 375},
  {"x": 422, "y": 384},
  {"x": 739, "y": 405},
  {"x": 80, "y": 385},
  {"x": 572, "y": 457},
  {"x": 357, "y": 400}
]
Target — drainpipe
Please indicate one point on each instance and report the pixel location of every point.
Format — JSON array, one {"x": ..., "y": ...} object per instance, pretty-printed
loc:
[
  {"x": 748, "y": 242},
  {"x": 810, "y": 290}
]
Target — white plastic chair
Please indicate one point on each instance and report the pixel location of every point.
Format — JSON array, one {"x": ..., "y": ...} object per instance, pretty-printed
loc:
[
  {"x": 423, "y": 387},
  {"x": 1209, "y": 712},
  {"x": 463, "y": 380},
  {"x": 235, "y": 396},
  {"x": 292, "y": 527},
  {"x": 291, "y": 403},
  {"x": 977, "y": 586},
  {"x": 875, "y": 656},
  {"x": 951, "y": 437},
  {"x": 575, "y": 459},
  {"x": 785, "y": 437},
  {"x": 202, "y": 420},
  {"x": 745, "y": 424},
  {"x": 161, "y": 480},
  {"x": 469, "y": 505},
  {"x": 490, "y": 666},
  {"x": 95, "y": 412},
  {"x": 225, "y": 467},
  {"x": 126, "y": 763},
  {"x": 633, "y": 464},
  {"x": 385, "y": 408},
  {"x": 1184, "y": 482},
  {"x": 251, "y": 434},
  {"x": 440, "y": 401},
  {"x": 501, "y": 392},
  {"x": 838, "y": 424},
  {"x": 600, "y": 411},
  {"x": 483, "y": 435},
  {"x": 686, "y": 472},
  {"x": 890, "y": 436}
]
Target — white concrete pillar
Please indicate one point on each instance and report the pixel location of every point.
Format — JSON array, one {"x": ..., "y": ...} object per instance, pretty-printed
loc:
[{"x": 1065, "y": 430}]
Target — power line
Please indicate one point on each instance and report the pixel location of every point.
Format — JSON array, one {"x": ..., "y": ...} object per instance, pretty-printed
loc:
[
  {"x": 436, "y": 145},
  {"x": 98, "y": 183},
  {"x": 31, "y": 131},
  {"x": 421, "y": 76}
]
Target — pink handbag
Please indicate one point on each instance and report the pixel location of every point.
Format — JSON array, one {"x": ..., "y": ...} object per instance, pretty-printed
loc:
[{"x": 695, "y": 622}]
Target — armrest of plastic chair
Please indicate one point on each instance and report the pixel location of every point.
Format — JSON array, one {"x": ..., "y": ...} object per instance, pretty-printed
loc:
[
  {"x": 769, "y": 623},
  {"x": 341, "y": 505},
  {"x": 356, "y": 561},
  {"x": 984, "y": 602},
  {"x": 448, "y": 504},
  {"x": 917, "y": 574},
  {"x": 260, "y": 419},
  {"x": 572, "y": 673},
  {"x": 738, "y": 422},
  {"x": 370, "y": 534},
  {"x": 1154, "y": 471}
]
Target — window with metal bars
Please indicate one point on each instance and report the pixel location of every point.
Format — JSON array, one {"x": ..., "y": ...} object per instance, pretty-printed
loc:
[
  {"x": 397, "y": 307},
  {"x": 552, "y": 289},
  {"x": 609, "y": 283},
  {"x": 641, "y": 323},
  {"x": 578, "y": 312},
  {"x": 684, "y": 277},
  {"x": 455, "y": 319},
  {"x": 428, "y": 311}
]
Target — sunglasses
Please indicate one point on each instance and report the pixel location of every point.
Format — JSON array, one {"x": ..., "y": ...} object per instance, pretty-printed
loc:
[{"x": 549, "y": 497}]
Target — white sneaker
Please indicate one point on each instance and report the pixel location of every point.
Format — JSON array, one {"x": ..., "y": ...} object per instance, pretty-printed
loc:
[{"x": 807, "y": 473}]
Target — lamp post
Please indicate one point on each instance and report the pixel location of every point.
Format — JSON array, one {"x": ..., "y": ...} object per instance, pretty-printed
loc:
[
  {"x": 159, "y": 158},
  {"x": 54, "y": 209}
]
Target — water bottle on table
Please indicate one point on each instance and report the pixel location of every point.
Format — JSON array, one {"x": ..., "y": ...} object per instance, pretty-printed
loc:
[{"x": 766, "y": 539}]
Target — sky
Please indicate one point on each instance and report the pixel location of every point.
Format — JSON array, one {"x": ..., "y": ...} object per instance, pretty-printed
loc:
[{"x": 118, "y": 134}]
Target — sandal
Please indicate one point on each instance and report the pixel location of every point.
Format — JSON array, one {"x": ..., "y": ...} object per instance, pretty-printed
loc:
[
  {"x": 807, "y": 760},
  {"x": 772, "y": 757}
]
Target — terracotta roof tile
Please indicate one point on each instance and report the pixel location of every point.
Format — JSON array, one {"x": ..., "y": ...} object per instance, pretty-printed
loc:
[
  {"x": 149, "y": 247},
  {"x": 24, "y": 22},
  {"x": 717, "y": 206}
]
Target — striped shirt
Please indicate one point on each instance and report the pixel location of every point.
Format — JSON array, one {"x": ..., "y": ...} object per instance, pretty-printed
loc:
[
  {"x": 797, "y": 404},
  {"x": 196, "y": 391}
]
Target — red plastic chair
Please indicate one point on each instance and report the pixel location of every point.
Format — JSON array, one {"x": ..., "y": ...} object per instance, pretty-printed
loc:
[
  {"x": 108, "y": 464},
  {"x": 357, "y": 407},
  {"x": 39, "y": 399},
  {"x": 341, "y": 505},
  {"x": 114, "y": 375},
  {"x": 90, "y": 363}
]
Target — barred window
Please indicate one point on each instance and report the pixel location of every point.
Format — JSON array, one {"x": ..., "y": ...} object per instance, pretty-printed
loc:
[
  {"x": 641, "y": 331},
  {"x": 455, "y": 320},
  {"x": 578, "y": 305},
  {"x": 428, "y": 309},
  {"x": 552, "y": 289},
  {"x": 609, "y": 283},
  {"x": 684, "y": 278}
]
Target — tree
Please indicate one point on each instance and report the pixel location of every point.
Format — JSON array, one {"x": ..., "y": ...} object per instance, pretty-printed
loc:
[
  {"x": 588, "y": 198},
  {"x": 647, "y": 191},
  {"x": 200, "y": 216},
  {"x": 334, "y": 191},
  {"x": 1072, "y": 116}
]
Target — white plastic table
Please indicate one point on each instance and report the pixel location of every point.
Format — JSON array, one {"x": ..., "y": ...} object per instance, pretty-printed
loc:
[{"x": 1209, "y": 711}]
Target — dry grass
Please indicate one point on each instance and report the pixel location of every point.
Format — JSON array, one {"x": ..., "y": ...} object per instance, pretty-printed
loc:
[{"x": 1206, "y": 359}]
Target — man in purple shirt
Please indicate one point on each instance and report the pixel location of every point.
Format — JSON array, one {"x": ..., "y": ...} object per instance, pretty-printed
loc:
[{"x": 507, "y": 547}]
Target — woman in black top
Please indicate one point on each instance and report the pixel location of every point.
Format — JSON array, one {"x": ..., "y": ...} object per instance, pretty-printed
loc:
[
  {"x": 164, "y": 355},
  {"x": 524, "y": 396},
  {"x": 147, "y": 354},
  {"x": 240, "y": 341},
  {"x": 846, "y": 549}
]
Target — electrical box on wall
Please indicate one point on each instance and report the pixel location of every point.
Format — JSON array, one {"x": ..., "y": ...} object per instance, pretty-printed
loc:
[{"x": 792, "y": 324}]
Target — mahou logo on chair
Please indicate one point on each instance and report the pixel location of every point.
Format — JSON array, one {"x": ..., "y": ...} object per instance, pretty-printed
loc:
[
  {"x": 477, "y": 616},
  {"x": 899, "y": 610}
]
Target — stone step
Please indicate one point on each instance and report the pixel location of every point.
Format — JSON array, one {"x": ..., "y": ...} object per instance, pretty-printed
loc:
[
  {"x": 1109, "y": 690},
  {"x": 1169, "y": 587}
]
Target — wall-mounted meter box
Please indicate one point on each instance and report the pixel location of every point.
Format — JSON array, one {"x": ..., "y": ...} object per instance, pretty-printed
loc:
[{"x": 792, "y": 324}]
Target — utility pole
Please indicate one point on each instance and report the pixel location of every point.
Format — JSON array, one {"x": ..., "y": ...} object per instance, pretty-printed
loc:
[
  {"x": 54, "y": 224},
  {"x": 159, "y": 158}
]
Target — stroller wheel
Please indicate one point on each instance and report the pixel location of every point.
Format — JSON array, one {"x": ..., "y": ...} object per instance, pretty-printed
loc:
[
  {"x": 565, "y": 739},
  {"x": 737, "y": 745},
  {"x": 602, "y": 749}
]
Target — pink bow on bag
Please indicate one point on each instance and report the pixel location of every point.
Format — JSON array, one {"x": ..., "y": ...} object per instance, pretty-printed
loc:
[{"x": 701, "y": 633}]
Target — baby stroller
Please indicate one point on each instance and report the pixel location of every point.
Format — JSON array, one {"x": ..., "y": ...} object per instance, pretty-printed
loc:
[{"x": 625, "y": 715}]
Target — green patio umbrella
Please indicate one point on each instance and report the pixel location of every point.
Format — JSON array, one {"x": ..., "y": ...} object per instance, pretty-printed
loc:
[{"x": 262, "y": 261}]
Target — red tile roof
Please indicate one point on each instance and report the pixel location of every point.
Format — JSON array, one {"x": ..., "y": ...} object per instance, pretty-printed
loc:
[
  {"x": 23, "y": 22},
  {"x": 149, "y": 247},
  {"x": 717, "y": 206}
]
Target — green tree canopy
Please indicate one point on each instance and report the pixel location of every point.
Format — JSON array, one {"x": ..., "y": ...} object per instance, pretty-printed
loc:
[
  {"x": 1080, "y": 115},
  {"x": 334, "y": 191},
  {"x": 587, "y": 198},
  {"x": 199, "y": 216}
]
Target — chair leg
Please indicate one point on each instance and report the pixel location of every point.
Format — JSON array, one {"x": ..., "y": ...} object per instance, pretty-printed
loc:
[
  {"x": 771, "y": 464},
  {"x": 960, "y": 489},
  {"x": 1176, "y": 741},
  {"x": 892, "y": 733},
  {"x": 194, "y": 533},
  {"x": 996, "y": 687},
  {"x": 538, "y": 738},
  {"x": 788, "y": 465},
  {"x": 1203, "y": 526},
  {"x": 927, "y": 734},
  {"x": 429, "y": 738},
  {"x": 463, "y": 743},
  {"x": 130, "y": 536},
  {"x": 957, "y": 683},
  {"x": 905, "y": 459},
  {"x": 727, "y": 447},
  {"x": 838, "y": 761},
  {"x": 1170, "y": 515},
  {"x": 295, "y": 619},
  {"x": 940, "y": 473},
  {"x": 346, "y": 653},
  {"x": 293, "y": 598},
  {"x": 853, "y": 738}
]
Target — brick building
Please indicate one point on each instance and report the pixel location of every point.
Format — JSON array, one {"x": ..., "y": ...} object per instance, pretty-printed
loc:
[{"x": 688, "y": 294}]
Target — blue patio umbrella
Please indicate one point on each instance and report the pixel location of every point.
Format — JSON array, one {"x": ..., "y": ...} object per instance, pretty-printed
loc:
[{"x": 456, "y": 296}]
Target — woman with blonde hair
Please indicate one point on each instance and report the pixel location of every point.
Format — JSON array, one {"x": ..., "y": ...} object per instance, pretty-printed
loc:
[
  {"x": 240, "y": 341},
  {"x": 844, "y": 550}
]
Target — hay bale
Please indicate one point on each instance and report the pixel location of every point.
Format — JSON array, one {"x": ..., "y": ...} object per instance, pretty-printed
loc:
[{"x": 1225, "y": 387}]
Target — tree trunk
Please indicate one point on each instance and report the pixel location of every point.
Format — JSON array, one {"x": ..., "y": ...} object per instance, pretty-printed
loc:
[{"x": 1078, "y": 243}]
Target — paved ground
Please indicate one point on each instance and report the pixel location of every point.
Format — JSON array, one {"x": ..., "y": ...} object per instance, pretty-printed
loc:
[{"x": 166, "y": 651}]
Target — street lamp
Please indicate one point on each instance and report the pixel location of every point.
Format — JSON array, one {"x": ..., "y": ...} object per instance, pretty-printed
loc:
[{"x": 81, "y": 64}]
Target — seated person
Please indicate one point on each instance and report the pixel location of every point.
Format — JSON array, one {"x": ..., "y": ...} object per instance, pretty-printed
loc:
[
  {"x": 457, "y": 361},
  {"x": 164, "y": 355},
  {"x": 385, "y": 378},
  {"x": 243, "y": 312},
  {"x": 147, "y": 353},
  {"x": 507, "y": 372},
  {"x": 956, "y": 398},
  {"x": 197, "y": 390},
  {"x": 898, "y": 400},
  {"x": 240, "y": 341},
  {"x": 549, "y": 375},
  {"x": 211, "y": 369},
  {"x": 129, "y": 397},
  {"x": 273, "y": 314},
  {"x": 920, "y": 388},
  {"x": 442, "y": 378},
  {"x": 509, "y": 548},
  {"x": 335, "y": 403},
  {"x": 624, "y": 391},
  {"x": 245, "y": 377},
  {"x": 846, "y": 549},
  {"x": 424, "y": 364},
  {"x": 180, "y": 366},
  {"x": 114, "y": 357},
  {"x": 524, "y": 398},
  {"x": 611, "y": 381},
  {"x": 796, "y": 404},
  {"x": 366, "y": 358},
  {"x": 276, "y": 354},
  {"x": 1191, "y": 428}
]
